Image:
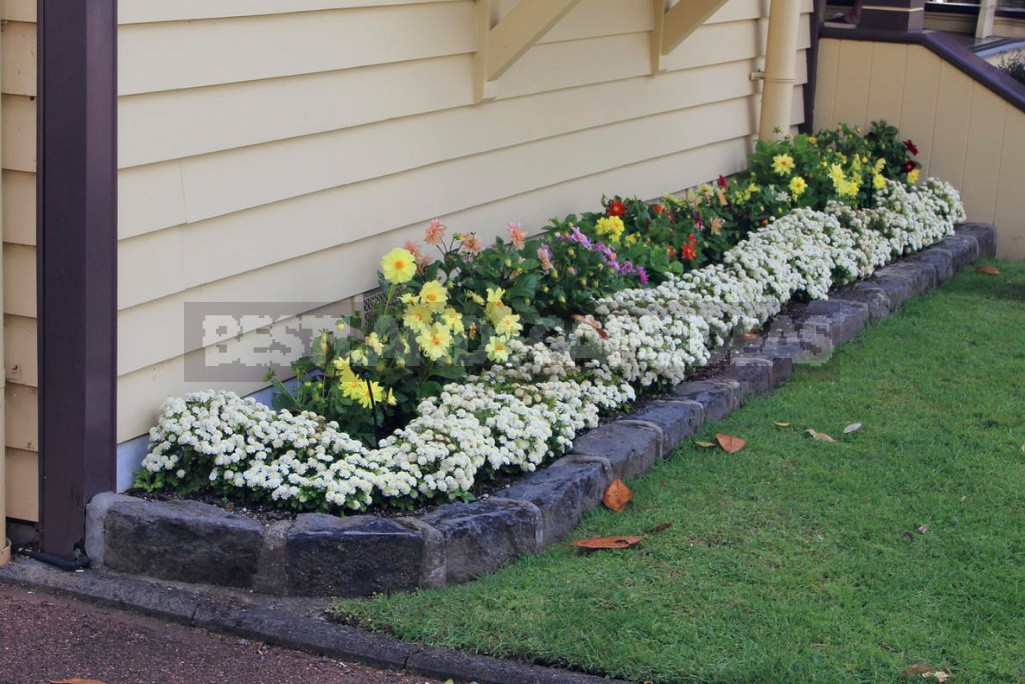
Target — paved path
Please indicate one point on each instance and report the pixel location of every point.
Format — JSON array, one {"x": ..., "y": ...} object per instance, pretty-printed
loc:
[{"x": 44, "y": 637}]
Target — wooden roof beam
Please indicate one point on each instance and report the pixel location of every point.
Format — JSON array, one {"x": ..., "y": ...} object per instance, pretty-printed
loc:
[
  {"x": 672, "y": 27},
  {"x": 501, "y": 45}
]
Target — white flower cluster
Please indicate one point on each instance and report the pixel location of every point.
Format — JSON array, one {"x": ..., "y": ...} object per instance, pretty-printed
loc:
[
  {"x": 242, "y": 444},
  {"x": 658, "y": 334},
  {"x": 516, "y": 415},
  {"x": 475, "y": 426}
]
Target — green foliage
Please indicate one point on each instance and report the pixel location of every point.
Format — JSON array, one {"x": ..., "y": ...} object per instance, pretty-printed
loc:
[{"x": 1014, "y": 66}]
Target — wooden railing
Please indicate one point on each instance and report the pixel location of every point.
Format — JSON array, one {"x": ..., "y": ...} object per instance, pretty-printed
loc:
[{"x": 967, "y": 117}]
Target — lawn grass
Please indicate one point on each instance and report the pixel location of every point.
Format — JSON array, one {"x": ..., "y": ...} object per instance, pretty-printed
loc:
[{"x": 787, "y": 562}]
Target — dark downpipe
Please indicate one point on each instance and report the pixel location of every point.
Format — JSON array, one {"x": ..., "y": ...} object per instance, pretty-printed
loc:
[{"x": 76, "y": 260}]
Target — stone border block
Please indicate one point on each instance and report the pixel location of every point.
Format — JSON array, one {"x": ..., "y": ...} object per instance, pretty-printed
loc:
[
  {"x": 844, "y": 320},
  {"x": 749, "y": 378},
  {"x": 563, "y": 492},
  {"x": 677, "y": 420},
  {"x": 352, "y": 556},
  {"x": 940, "y": 259},
  {"x": 631, "y": 448},
  {"x": 896, "y": 289},
  {"x": 482, "y": 536},
  {"x": 920, "y": 274},
  {"x": 717, "y": 399},
  {"x": 182, "y": 540},
  {"x": 964, "y": 249},
  {"x": 875, "y": 302},
  {"x": 95, "y": 523},
  {"x": 776, "y": 358},
  {"x": 985, "y": 235}
]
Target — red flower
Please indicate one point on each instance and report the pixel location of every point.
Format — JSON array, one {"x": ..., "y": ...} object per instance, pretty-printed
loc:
[
  {"x": 912, "y": 147},
  {"x": 616, "y": 208},
  {"x": 671, "y": 252},
  {"x": 658, "y": 208},
  {"x": 909, "y": 166},
  {"x": 722, "y": 181},
  {"x": 688, "y": 252},
  {"x": 691, "y": 239}
]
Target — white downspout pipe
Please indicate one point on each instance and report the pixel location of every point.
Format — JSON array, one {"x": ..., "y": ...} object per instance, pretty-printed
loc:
[{"x": 780, "y": 68}]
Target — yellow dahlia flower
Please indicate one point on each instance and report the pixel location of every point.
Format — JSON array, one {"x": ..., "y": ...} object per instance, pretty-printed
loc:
[
  {"x": 398, "y": 266},
  {"x": 433, "y": 295},
  {"x": 783, "y": 164}
]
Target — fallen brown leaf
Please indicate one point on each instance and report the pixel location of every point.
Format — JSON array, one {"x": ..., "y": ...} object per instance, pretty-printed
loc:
[
  {"x": 923, "y": 529},
  {"x": 820, "y": 436},
  {"x": 990, "y": 270},
  {"x": 729, "y": 443},
  {"x": 706, "y": 445},
  {"x": 938, "y": 674},
  {"x": 594, "y": 324},
  {"x": 659, "y": 528},
  {"x": 617, "y": 496},
  {"x": 606, "y": 542},
  {"x": 908, "y": 537},
  {"x": 779, "y": 424},
  {"x": 919, "y": 668},
  {"x": 853, "y": 427}
]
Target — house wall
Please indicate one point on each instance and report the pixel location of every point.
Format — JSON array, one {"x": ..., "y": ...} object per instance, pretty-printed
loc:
[
  {"x": 967, "y": 135},
  {"x": 18, "y": 46},
  {"x": 271, "y": 150}
]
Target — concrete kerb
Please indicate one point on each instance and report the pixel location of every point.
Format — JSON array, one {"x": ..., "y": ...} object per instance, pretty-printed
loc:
[
  {"x": 457, "y": 542},
  {"x": 293, "y": 623}
]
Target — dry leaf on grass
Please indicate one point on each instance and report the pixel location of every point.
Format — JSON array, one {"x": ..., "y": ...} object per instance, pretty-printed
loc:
[
  {"x": 706, "y": 445},
  {"x": 606, "y": 542},
  {"x": 659, "y": 528},
  {"x": 918, "y": 668},
  {"x": 923, "y": 529},
  {"x": 594, "y": 324},
  {"x": 617, "y": 496},
  {"x": 907, "y": 536},
  {"x": 779, "y": 424},
  {"x": 989, "y": 270},
  {"x": 729, "y": 443},
  {"x": 938, "y": 674},
  {"x": 820, "y": 436},
  {"x": 853, "y": 427},
  {"x": 1023, "y": 446}
]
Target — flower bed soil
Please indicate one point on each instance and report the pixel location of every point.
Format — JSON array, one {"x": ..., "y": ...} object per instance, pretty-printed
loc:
[{"x": 316, "y": 554}]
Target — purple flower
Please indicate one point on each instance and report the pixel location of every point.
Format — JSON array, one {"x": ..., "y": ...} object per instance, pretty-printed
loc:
[
  {"x": 577, "y": 236},
  {"x": 642, "y": 275}
]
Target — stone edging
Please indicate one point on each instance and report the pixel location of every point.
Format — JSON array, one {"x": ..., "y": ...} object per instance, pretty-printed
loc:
[{"x": 318, "y": 554}]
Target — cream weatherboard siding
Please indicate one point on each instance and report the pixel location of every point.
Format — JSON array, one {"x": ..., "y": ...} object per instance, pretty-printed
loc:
[
  {"x": 18, "y": 78},
  {"x": 967, "y": 134},
  {"x": 271, "y": 150}
]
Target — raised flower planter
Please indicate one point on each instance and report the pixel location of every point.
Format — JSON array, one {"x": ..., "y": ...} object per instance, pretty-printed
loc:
[{"x": 319, "y": 554}]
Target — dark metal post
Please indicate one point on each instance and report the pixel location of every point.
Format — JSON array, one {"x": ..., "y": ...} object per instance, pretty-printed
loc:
[{"x": 76, "y": 262}]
